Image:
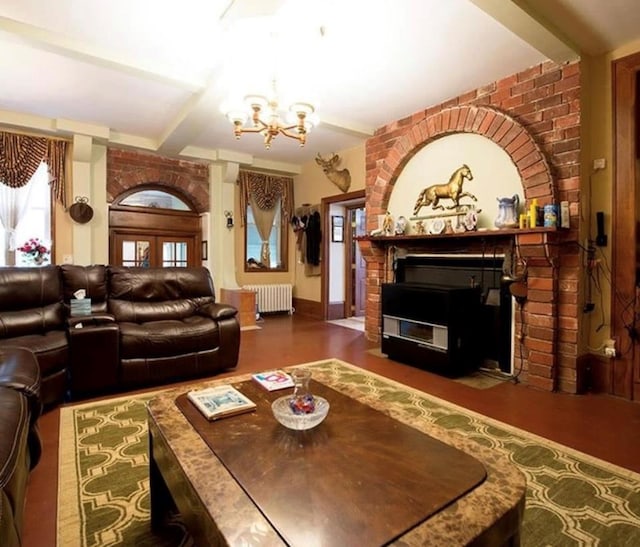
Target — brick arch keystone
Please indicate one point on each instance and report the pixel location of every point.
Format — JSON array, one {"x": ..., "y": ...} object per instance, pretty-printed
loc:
[{"x": 502, "y": 129}]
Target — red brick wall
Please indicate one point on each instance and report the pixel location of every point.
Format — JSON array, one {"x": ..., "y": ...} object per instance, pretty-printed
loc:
[
  {"x": 127, "y": 169},
  {"x": 535, "y": 117}
]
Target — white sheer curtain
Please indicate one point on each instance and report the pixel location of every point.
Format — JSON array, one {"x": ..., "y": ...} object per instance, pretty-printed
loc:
[{"x": 14, "y": 203}]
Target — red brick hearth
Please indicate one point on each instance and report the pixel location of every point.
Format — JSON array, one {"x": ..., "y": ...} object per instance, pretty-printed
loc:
[{"x": 535, "y": 117}]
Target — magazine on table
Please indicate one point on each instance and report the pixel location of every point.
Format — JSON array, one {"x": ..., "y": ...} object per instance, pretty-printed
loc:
[
  {"x": 273, "y": 380},
  {"x": 220, "y": 401}
]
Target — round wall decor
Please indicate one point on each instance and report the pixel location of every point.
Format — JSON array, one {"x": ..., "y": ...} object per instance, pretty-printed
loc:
[{"x": 81, "y": 212}]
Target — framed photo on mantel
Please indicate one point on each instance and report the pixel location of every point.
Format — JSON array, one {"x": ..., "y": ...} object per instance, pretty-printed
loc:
[{"x": 337, "y": 228}]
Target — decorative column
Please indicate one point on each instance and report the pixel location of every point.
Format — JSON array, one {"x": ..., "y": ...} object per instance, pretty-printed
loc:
[{"x": 220, "y": 239}]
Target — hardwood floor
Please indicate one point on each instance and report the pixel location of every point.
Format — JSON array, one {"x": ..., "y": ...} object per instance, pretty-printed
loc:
[{"x": 602, "y": 426}]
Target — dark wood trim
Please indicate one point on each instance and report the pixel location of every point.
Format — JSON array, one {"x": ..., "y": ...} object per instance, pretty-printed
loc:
[
  {"x": 624, "y": 237},
  {"x": 597, "y": 373},
  {"x": 308, "y": 308},
  {"x": 156, "y": 225}
]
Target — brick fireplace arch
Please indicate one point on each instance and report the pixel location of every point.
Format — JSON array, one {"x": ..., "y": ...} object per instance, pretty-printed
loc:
[
  {"x": 547, "y": 335},
  {"x": 497, "y": 126}
]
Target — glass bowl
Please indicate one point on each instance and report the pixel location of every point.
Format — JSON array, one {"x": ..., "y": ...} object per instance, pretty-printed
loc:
[{"x": 299, "y": 422}]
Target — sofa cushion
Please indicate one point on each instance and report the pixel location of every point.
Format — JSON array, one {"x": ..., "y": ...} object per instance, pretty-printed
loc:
[
  {"x": 91, "y": 278},
  {"x": 153, "y": 294},
  {"x": 167, "y": 338},
  {"x": 30, "y": 301}
]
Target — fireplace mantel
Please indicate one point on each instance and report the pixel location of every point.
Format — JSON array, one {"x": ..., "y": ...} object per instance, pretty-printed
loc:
[{"x": 380, "y": 239}]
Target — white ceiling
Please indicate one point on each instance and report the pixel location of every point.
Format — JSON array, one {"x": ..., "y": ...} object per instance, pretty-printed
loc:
[{"x": 149, "y": 74}]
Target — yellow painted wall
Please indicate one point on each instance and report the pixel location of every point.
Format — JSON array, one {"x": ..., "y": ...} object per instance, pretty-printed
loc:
[
  {"x": 63, "y": 233},
  {"x": 310, "y": 187},
  {"x": 598, "y": 143}
]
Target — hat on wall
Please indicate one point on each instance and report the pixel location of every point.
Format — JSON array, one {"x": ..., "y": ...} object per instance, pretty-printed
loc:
[{"x": 81, "y": 211}]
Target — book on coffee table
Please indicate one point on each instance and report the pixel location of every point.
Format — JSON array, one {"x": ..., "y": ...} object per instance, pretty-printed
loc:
[
  {"x": 220, "y": 402},
  {"x": 273, "y": 380}
]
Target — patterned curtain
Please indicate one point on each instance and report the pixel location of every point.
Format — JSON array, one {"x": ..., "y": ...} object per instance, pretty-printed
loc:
[
  {"x": 20, "y": 156},
  {"x": 265, "y": 191}
]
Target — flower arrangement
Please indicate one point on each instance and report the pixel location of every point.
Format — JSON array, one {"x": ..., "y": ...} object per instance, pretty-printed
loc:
[{"x": 35, "y": 250}]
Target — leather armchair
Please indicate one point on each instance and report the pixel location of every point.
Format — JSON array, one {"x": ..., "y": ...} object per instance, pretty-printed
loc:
[
  {"x": 170, "y": 325},
  {"x": 32, "y": 316}
]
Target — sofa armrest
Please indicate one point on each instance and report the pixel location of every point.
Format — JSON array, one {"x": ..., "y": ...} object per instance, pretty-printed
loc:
[
  {"x": 20, "y": 371},
  {"x": 217, "y": 311},
  {"x": 93, "y": 320}
]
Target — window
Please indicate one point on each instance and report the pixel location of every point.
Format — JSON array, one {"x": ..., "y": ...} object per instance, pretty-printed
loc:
[
  {"x": 36, "y": 220},
  {"x": 155, "y": 199},
  {"x": 277, "y": 244}
]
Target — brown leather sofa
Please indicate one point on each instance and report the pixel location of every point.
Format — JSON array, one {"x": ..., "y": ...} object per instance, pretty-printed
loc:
[
  {"x": 20, "y": 445},
  {"x": 147, "y": 326}
]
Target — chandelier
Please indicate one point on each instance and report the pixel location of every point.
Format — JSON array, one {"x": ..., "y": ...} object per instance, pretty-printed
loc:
[{"x": 265, "y": 119}]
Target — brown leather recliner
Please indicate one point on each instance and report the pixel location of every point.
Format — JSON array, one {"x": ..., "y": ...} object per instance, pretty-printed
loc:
[
  {"x": 20, "y": 447},
  {"x": 32, "y": 315},
  {"x": 146, "y": 326},
  {"x": 170, "y": 324}
]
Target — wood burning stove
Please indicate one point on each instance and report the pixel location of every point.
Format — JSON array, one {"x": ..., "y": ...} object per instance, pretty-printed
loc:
[{"x": 448, "y": 313}]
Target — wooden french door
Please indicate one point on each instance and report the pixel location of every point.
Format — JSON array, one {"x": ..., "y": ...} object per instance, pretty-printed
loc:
[
  {"x": 159, "y": 238},
  {"x": 153, "y": 251}
]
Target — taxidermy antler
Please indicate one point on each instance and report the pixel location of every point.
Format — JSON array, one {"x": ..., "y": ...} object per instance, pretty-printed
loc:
[{"x": 341, "y": 178}]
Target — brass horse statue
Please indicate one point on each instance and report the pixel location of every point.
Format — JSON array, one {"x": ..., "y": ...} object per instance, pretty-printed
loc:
[{"x": 452, "y": 190}]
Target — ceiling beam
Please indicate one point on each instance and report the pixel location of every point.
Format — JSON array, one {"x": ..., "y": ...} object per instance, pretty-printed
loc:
[
  {"x": 75, "y": 49},
  {"x": 347, "y": 127},
  {"x": 520, "y": 19}
]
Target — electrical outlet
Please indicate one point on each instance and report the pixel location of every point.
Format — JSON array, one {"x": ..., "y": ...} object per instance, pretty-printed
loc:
[
  {"x": 610, "y": 348},
  {"x": 599, "y": 163}
]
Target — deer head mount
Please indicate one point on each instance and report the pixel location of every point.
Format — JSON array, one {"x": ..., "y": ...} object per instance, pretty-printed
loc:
[{"x": 341, "y": 178}]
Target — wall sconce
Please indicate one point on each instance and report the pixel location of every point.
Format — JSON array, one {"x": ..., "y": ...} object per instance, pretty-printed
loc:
[{"x": 229, "y": 216}]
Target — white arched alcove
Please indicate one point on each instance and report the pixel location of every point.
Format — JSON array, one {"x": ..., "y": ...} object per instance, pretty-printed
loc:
[{"x": 494, "y": 176}]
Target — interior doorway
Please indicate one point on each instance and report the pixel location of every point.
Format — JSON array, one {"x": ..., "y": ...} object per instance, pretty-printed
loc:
[
  {"x": 343, "y": 269},
  {"x": 356, "y": 286}
]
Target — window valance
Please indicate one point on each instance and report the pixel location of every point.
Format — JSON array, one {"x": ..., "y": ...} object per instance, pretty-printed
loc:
[
  {"x": 265, "y": 191},
  {"x": 20, "y": 156}
]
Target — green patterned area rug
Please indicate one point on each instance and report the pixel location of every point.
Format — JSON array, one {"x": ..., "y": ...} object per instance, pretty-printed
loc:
[{"x": 103, "y": 498}]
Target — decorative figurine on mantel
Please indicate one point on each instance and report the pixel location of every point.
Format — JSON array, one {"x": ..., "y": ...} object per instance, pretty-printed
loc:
[
  {"x": 451, "y": 190},
  {"x": 387, "y": 224},
  {"x": 401, "y": 226},
  {"x": 508, "y": 212},
  {"x": 420, "y": 228}
]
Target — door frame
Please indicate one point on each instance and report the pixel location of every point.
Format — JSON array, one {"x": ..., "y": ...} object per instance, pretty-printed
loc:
[
  {"x": 152, "y": 222},
  {"x": 625, "y": 368},
  {"x": 349, "y": 198},
  {"x": 349, "y": 258}
]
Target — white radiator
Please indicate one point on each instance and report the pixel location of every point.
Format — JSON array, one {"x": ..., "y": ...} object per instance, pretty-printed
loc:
[{"x": 273, "y": 297}]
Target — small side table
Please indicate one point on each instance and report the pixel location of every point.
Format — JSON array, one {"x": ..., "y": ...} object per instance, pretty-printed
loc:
[{"x": 244, "y": 301}]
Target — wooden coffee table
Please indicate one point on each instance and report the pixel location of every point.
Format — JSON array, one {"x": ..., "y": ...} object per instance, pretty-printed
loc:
[{"x": 360, "y": 478}]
